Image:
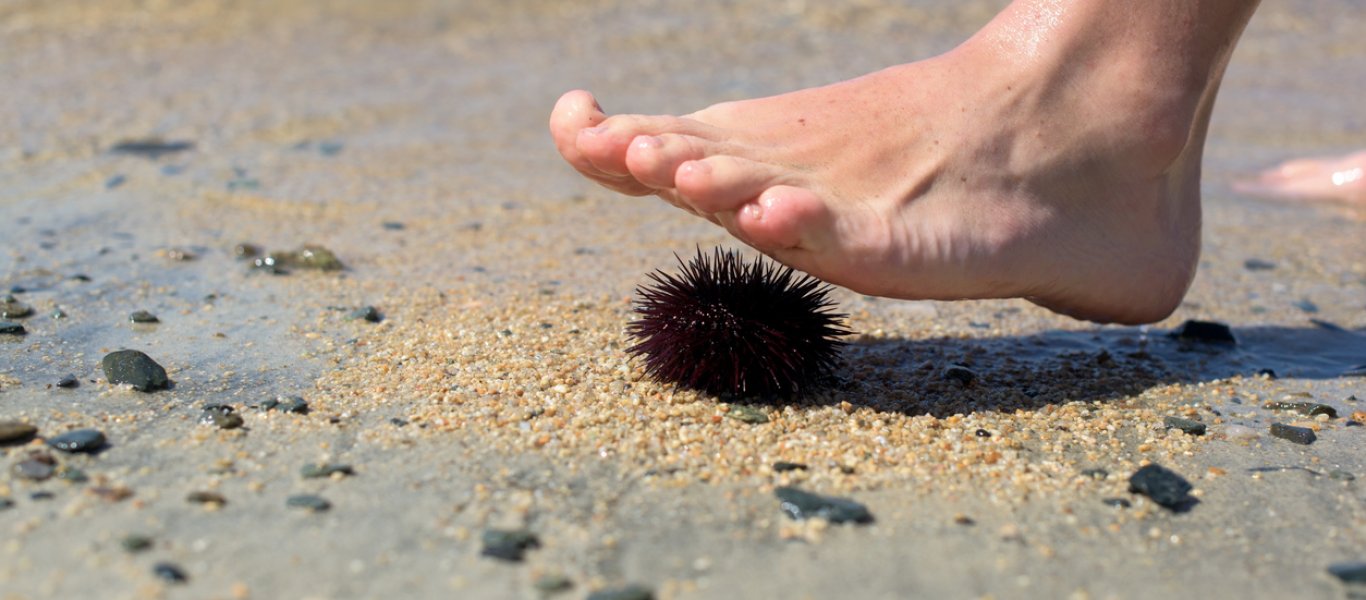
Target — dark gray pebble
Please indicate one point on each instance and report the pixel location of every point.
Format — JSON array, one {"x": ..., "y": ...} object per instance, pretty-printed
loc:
[
  {"x": 221, "y": 419},
  {"x": 245, "y": 250},
  {"x": 1291, "y": 433},
  {"x": 309, "y": 501},
  {"x": 982, "y": 433},
  {"x": 134, "y": 368},
  {"x": 1257, "y": 264},
  {"x": 508, "y": 544},
  {"x": 1349, "y": 572},
  {"x": 960, "y": 373},
  {"x": 1188, "y": 426},
  {"x": 135, "y": 543},
  {"x": 1308, "y": 409},
  {"x": 39, "y": 466},
  {"x": 73, "y": 475},
  {"x": 206, "y": 498},
  {"x": 365, "y": 313},
  {"x": 1306, "y": 305},
  {"x": 782, "y": 466},
  {"x": 6, "y": 503},
  {"x": 1205, "y": 332},
  {"x": 1097, "y": 474},
  {"x": 292, "y": 404},
  {"x": 393, "y": 225},
  {"x": 800, "y": 504},
  {"x": 68, "y": 382},
  {"x": 1116, "y": 502},
  {"x": 629, "y": 592},
  {"x": 16, "y": 432},
  {"x": 143, "y": 316},
  {"x": 42, "y": 495},
  {"x": 1341, "y": 475},
  {"x": 552, "y": 583},
  {"x": 150, "y": 148},
  {"x": 12, "y": 308},
  {"x": 80, "y": 440},
  {"x": 397, "y": 422},
  {"x": 311, "y": 471},
  {"x": 169, "y": 572},
  {"x": 12, "y": 328},
  {"x": 1161, "y": 485}
]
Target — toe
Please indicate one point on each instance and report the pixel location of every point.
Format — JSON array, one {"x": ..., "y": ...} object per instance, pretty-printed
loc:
[
  {"x": 723, "y": 182},
  {"x": 783, "y": 218},
  {"x": 607, "y": 144},
  {"x": 653, "y": 159},
  {"x": 574, "y": 112}
]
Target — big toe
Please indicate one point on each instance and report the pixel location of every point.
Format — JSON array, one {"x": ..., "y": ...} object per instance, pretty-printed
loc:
[{"x": 575, "y": 111}]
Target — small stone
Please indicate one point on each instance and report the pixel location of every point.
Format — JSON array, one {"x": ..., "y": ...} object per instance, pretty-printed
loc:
[
  {"x": 629, "y": 592},
  {"x": 1308, "y": 409},
  {"x": 961, "y": 374},
  {"x": 12, "y": 308},
  {"x": 1291, "y": 433},
  {"x": 508, "y": 544},
  {"x": 982, "y": 433},
  {"x": 782, "y": 466},
  {"x": 1341, "y": 475},
  {"x": 365, "y": 313},
  {"x": 800, "y": 505},
  {"x": 39, "y": 466},
  {"x": 72, "y": 475},
  {"x": 135, "y": 543},
  {"x": 1116, "y": 502},
  {"x": 206, "y": 498},
  {"x": 134, "y": 368},
  {"x": 80, "y": 440},
  {"x": 245, "y": 250},
  {"x": 552, "y": 583},
  {"x": 1306, "y": 305},
  {"x": 169, "y": 572},
  {"x": 292, "y": 404},
  {"x": 152, "y": 148},
  {"x": 393, "y": 225},
  {"x": 12, "y": 328},
  {"x": 111, "y": 493},
  {"x": 1349, "y": 572},
  {"x": 1205, "y": 332},
  {"x": 308, "y": 257},
  {"x": 747, "y": 414},
  {"x": 143, "y": 316},
  {"x": 1257, "y": 264},
  {"x": 267, "y": 404},
  {"x": 221, "y": 416},
  {"x": 6, "y": 503},
  {"x": 68, "y": 382},
  {"x": 397, "y": 422},
  {"x": 1161, "y": 485},
  {"x": 1188, "y": 426},
  {"x": 41, "y": 495},
  {"x": 312, "y": 471},
  {"x": 1097, "y": 474},
  {"x": 308, "y": 501},
  {"x": 16, "y": 432}
]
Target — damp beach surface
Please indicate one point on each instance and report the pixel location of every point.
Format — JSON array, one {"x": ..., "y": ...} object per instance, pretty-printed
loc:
[{"x": 362, "y": 251}]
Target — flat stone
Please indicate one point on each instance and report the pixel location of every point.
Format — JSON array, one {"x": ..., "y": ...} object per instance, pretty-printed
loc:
[
  {"x": 16, "y": 432},
  {"x": 747, "y": 414},
  {"x": 1161, "y": 485},
  {"x": 12, "y": 308},
  {"x": 169, "y": 572},
  {"x": 68, "y": 382},
  {"x": 1257, "y": 264},
  {"x": 143, "y": 316},
  {"x": 39, "y": 466},
  {"x": 1291, "y": 433},
  {"x": 1205, "y": 332},
  {"x": 221, "y": 416},
  {"x": 135, "y": 542},
  {"x": 365, "y": 313},
  {"x": 72, "y": 475},
  {"x": 1349, "y": 572},
  {"x": 311, "y": 471},
  {"x": 629, "y": 592},
  {"x": 292, "y": 404},
  {"x": 552, "y": 583},
  {"x": 308, "y": 501},
  {"x": 206, "y": 498},
  {"x": 782, "y": 466},
  {"x": 80, "y": 440},
  {"x": 800, "y": 504},
  {"x": 136, "y": 369},
  {"x": 12, "y": 328},
  {"x": 508, "y": 544},
  {"x": 1188, "y": 426}
]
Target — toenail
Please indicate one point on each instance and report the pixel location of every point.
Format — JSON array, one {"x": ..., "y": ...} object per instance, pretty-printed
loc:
[
  {"x": 599, "y": 130},
  {"x": 696, "y": 166},
  {"x": 648, "y": 141},
  {"x": 753, "y": 211}
]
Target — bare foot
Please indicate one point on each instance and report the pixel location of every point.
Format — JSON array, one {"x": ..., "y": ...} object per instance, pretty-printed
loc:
[
  {"x": 1041, "y": 159},
  {"x": 1342, "y": 178}
]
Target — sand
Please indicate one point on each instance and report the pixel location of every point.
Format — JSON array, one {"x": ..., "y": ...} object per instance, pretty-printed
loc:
[{"x": 496, "y": 392}]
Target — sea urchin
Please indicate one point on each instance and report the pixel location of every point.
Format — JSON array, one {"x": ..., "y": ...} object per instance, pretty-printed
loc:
[{"x": 725, "y": 325}]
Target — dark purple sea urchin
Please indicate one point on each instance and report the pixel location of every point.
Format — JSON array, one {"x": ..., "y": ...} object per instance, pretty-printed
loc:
[{"x": 724, "y": 325}]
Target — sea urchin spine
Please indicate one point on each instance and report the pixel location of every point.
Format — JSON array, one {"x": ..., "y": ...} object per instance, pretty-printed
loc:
[{"x": 725, "y": 325}]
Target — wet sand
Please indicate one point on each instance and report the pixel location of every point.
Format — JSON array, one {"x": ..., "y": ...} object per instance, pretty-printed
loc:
[{"x": 409, "y": 138}]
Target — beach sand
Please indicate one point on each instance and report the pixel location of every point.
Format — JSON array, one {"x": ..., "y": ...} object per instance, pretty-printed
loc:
[{"x": 495, "y": 391}]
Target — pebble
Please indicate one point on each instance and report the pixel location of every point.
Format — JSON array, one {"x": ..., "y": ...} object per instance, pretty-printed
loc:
[
  {"x": 629, "y": 592},
  {"x": 1205, "y": 332},
  {"x": 1257, "y": 264},
  {"x": 6, "y": 503},
  {"x": 552, "y": 583},
  {"x": 292, "y": 404},
  {"x": 39, "y": 466},
  {"x": 206, "y": 498},
  {"x": 308, "y": 257},
  {"x": 365, "y": 313},
  {"x": 80, "y": 440},
  {"x": 42, "y": 495},
  {"x": 135, "y": 542},
  {"x": 246, "y": 250},
  {"x": 1189, "y": 426},
  {"x": 12, "y": 308},
  {"x": 1306, "y": 305},
  {"x": 221, "y": 416},
  {"x": 1341, "y": 475},
  {"x": 16, "y": 432},
  {"x": 1291, "y": 433},
  {"x": 73, "y": 475},
  {"x": 747, "y": 414},
  {"x": 68, "y": 382},
  {"x": 169, "y": 572},
  {"x": 1349, "y": 572},
  {"x": 961, "y": 374},
  {"x": 782, "y": 466},
  {"x": 1161, "y": 485},
  {"x": 150, "y": 148},
  {"x": 12, "y": 328},
  {"x": 311, "y": 471},
  {"x": 309, "y": 501},
  {"x": 800, "y": 505},
  {"x": 1117, "y": 502},
  {"x": 982, "y": 433},
  {"x": 134, "y": 368},
  {"x": 508, "y": 544},
  {"x": 1309, "y": 409},
  {"x": 1097, "y": 474},
  {"x": 143, "y": 316}
]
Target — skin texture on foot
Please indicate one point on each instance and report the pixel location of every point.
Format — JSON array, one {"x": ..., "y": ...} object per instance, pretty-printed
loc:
[
  {"x": 1041, "y": 159},
  {"x": 1341, "y": 179}
]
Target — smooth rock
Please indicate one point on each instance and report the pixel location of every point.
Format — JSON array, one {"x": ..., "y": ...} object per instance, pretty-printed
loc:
[
  {"x": 292, "y": 404},
  {"x": 747, "y": 414},
  {"x": 135, "y": 543},
  {"x": 143, "y": 316},
  {"x": 1161, "y": 485},
  {"x": 39, "y": 466},
  {"x": 312, "y": 471},
  {"x": 782, "y": 466},
  {"x": 508, "y": 544},
  {"x": 1291, "y": 433},
  {"x": 552, "y": 583},
  {"x": 308, "y": 501},
  {"x": 1205, "y": 332},
  {"x": 365, "y": 313},
  {"x": 1349, "y": 572},
  {"x": 12, "y": 328},
  {"x": 1257, "y": 264},
  {"x": 1308, "y": 409},
  {"x": 16, "y": 432},
  {"x": 206, "y": 498},
  {"x": 960, "y": 373},
  {"x": 1188, "y": 426},
  {"x": 80, "y": 440},
  {"x": 68, "y": 382},
  {"x": 12, "y": 308},
  {"x": 800, "y": 504},
  {"x": 629, "y": 592},
  {"x": 152, "y": 148},
  {"x": 169, "y": 572},
  {"x": 136, "y": 369}
]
